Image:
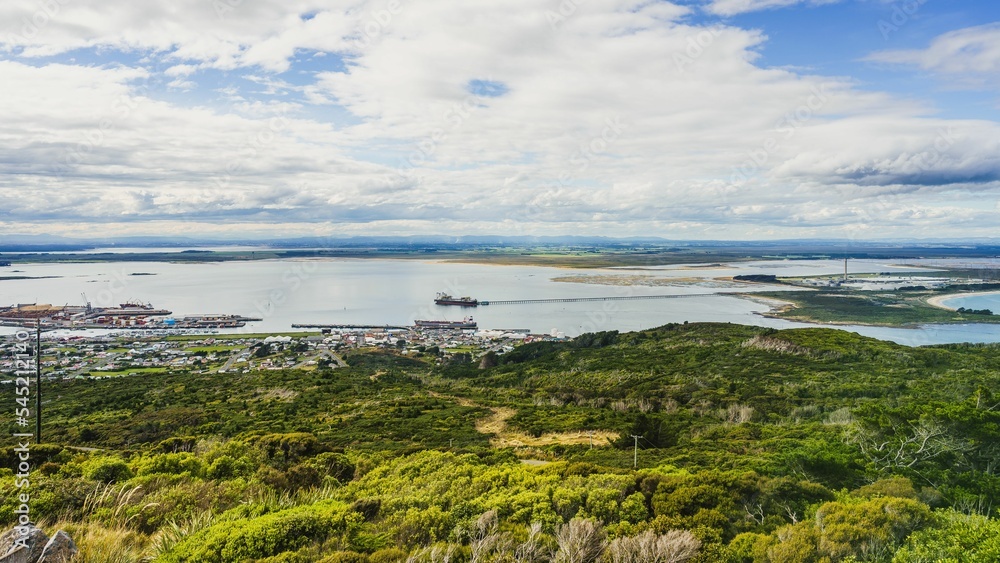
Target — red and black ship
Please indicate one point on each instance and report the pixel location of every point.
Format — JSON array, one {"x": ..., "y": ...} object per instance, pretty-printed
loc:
[{"x": 445, "y": 299}]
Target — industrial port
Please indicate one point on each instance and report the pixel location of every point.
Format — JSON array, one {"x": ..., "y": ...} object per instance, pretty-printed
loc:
[{"x": 128, "y": 315}]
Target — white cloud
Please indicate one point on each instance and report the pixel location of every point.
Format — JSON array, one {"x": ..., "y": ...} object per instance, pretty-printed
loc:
[
  {"x": 619, "y": 117},
  {"x": 736, "y": 7},
  {"x": 972, "y": 54},
  {"x": 241, "y": 33}
]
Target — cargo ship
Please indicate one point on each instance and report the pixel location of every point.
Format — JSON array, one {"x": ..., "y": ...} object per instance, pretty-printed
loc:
[
  {"x": 466, "y": 323},
  {"x": 445, "y": 299}
]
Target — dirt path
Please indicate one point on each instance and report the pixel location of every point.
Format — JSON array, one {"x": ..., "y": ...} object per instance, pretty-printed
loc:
[{"x": 503, "y": 436}]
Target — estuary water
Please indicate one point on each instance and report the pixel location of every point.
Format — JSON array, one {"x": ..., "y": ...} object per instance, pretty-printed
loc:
[
  {"x": 397, "y": 292},
  {"x": 989, "y": 301}
]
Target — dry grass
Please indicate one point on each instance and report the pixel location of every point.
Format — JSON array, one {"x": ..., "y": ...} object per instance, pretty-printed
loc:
[
  {"x": 496, "y": 424},
  {"x": 100, "y": 544},
  {"x": 503, "y": 436}
]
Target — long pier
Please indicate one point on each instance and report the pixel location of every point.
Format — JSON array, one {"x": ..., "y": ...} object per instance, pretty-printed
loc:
[
  {"x": 581, "y": 299},
  {"x": 352, "y": 327}
]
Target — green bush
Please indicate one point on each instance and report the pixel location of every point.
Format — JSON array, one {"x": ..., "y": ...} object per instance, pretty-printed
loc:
[
  {"x": 107, "y": 470},
  {"x": 301, "y": 556},
  {"x": 237, "y": 540},
  {"x": 282, "y": 450},
  {"x": 170, "y": 464},
  {"x": 954, "y": 537},
  {"x": 388, "y": 555},
  {"x": 345, "y": 557},
  {"x": 332, "y": 464}
]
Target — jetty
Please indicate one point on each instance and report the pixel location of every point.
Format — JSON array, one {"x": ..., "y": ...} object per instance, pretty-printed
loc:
[
  {"x": 351, "y": 327},
  {"x": 585, "y": 299}
]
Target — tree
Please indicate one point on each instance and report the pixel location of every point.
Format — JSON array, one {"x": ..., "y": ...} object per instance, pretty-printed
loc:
[
  {"x": 579, "y": 541},
  {"x": 262, "y": 351},
  {"x": 675, "y": 546}
]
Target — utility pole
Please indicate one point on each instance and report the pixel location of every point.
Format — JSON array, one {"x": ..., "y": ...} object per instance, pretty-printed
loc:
[
  {"x": 38, "y": 381},
  {"x": 635, "y": 456},
  {"x": 591, "y": 439}
]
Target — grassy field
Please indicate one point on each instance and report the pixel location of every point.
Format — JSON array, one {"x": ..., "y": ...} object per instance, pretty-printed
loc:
[
  {"x": 130, "y": 371},
  {"x": 213, "y": 349},
  {"x": 238, "y": 336}
]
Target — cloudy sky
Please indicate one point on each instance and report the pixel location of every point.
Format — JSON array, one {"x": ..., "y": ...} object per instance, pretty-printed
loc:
[{"x": 696, "y": 119}]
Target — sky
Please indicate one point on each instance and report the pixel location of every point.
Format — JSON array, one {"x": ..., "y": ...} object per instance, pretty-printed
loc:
[{"x": 692, "y": 119}]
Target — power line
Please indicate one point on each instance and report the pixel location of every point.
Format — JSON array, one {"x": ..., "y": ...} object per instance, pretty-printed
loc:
[
  {"x": 38, "y": 381},
  {"x": 635, "y": 455}
]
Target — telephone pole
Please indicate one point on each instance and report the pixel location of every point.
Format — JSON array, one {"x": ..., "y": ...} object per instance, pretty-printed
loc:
[
  {"x": 38, "y": 381},
  {"x": 635, "y": 455}
]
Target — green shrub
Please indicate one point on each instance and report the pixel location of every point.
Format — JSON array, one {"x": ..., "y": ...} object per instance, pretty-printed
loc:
[
  {"x": 107, "y": 470},
  {"x": 388, "y": 555},
  {"x": 170, "y": 464},
  {"x": 367, "y": 507},
  {"x": 954, "y": 537},
  {"x": 224, "y": 467},
  {"x": 300, "y": 556},
  {"x": 282, "y": 450},
  {"x": 235, "y": 540},
  {"x": 345, "y": 557},
  {"x": 898, "y": 487},
  {"x": 332, "y": 464}
]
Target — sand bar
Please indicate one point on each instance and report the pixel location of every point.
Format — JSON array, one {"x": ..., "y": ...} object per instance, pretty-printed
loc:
[{"x": 937, "y": 300}]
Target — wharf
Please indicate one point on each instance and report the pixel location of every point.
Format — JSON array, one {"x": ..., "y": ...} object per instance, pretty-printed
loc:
[{"x": 352, "y": 327}]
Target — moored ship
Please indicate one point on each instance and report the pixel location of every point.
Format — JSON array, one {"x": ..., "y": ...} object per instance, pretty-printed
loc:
[
  {"x": 466, "y": 323},
  {"x": 445, "y": 299}
]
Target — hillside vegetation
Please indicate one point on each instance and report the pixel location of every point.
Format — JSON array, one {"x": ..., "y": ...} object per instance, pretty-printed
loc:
[{"x": 755, "y": 445}]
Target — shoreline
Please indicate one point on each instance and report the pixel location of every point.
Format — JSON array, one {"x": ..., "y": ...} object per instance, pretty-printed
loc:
[{"x": 937, "y": 300}]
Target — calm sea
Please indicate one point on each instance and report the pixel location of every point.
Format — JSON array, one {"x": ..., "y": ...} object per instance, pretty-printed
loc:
[{"x": 397, "y": 292}]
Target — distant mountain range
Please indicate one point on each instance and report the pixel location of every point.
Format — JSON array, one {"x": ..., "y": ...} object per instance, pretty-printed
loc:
[{"x": 51, "y": 243}]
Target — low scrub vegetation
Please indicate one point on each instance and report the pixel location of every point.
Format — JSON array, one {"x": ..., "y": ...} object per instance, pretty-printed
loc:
[{"x": 754, "y": 445}]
